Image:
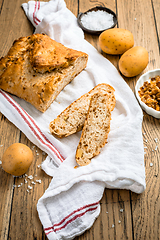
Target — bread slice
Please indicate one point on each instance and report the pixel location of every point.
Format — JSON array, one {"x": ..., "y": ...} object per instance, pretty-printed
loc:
[
  {"x": 37, "y": 68},
  {"x": 72, "y": 119},
  {"x": 96, "y": 128}
]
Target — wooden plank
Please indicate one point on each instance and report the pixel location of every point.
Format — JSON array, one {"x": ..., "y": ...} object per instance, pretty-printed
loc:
[
  {"x": 72, "y": 5},
  {"x": 9, "y": 134},
  {"x": 132, "y": 16},
  {"x": 114, "y": 224},
  {"x": 145, "y": 207},
  {"x": 24, "y": 212},
  {"x": 18, "y": 207},
  {"x": 156, "y": 9},
  {"x": 13, "y": 19}
]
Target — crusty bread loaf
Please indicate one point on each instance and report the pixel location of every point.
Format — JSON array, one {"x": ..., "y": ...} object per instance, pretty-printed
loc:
[
  {"x": 95, "y": 130},
  {"x": 72, "y": 119},
  {"x": 37, "y": 68}
]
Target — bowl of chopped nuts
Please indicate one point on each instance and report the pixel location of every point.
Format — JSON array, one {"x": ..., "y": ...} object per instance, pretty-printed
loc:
[{"x": 147, "y": 91}]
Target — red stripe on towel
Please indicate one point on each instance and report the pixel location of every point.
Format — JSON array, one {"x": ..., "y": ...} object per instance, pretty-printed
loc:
[
  {"x": 38, "y": 5},
  {"x": 90, "y": 208},
  {"x": 41, "y": 137},
  {"x": 35, "y": 19},
  {"x": 74, "y": 218}
]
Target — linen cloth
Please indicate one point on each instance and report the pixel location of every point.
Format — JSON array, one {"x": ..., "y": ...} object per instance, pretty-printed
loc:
[{"x": 70, "y": 205}]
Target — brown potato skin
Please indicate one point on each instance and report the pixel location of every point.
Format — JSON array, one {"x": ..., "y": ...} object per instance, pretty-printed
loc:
[
  {"x": 17, "y": 159},
  {"x": 116, "y": 41},
  {"x": 133, "y": 61}
]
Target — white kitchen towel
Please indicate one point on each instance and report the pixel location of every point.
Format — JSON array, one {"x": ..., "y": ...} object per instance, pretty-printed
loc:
[{"x": 71, "y": 203}]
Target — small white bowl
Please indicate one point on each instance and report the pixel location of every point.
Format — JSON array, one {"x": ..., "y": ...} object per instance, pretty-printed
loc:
[{"x": 146, "y": 77}]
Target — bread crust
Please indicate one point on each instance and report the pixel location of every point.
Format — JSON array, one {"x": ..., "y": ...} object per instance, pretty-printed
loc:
[
  {"x": 72, "y": 119},
  {"x": 95, "y": 130},
  {"x": 37, "y": 68}
]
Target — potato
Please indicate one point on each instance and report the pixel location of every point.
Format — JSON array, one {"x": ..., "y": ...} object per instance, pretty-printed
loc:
[
  {"x": 133, "y": 61},
  {"x": 116, "y": 41},
  {"x": 17, "y": 159}
]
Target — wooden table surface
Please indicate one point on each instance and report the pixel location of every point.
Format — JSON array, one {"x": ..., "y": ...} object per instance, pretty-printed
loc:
[{"x": 140, "y": 218}]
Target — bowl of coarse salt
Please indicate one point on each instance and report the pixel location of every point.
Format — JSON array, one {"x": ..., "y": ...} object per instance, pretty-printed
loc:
[{"x": 97, "y": 19}]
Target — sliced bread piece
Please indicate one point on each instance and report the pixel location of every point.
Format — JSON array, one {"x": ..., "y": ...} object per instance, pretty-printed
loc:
[
  {"x": 95, "y": 131},
  {"x": 37, "y": 68},
  {"x": 72, "y": 119}
]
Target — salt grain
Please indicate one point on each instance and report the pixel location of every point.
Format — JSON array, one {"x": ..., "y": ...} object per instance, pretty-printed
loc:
[
  {"x": 151, "y": 164},
  {"x": 97, "y": 20},
  {"x": 38, "y": 181},
  {"x": 121, "y": 210},
  {"x": 0, "y": 162},
  {"x": 156, "y": 148},
  {"x": 30, "y": 177},
  {"x": 29, "y": 187}
]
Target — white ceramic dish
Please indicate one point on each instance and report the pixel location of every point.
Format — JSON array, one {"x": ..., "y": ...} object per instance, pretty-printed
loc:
[{"x": 146, "y": 77}]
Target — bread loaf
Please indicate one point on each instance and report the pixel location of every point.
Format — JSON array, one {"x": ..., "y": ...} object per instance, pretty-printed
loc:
[
  {"x": 95, "y": 130},
  {"x": 37, "y": 68},
  {"x": 72, "y": 119}
]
